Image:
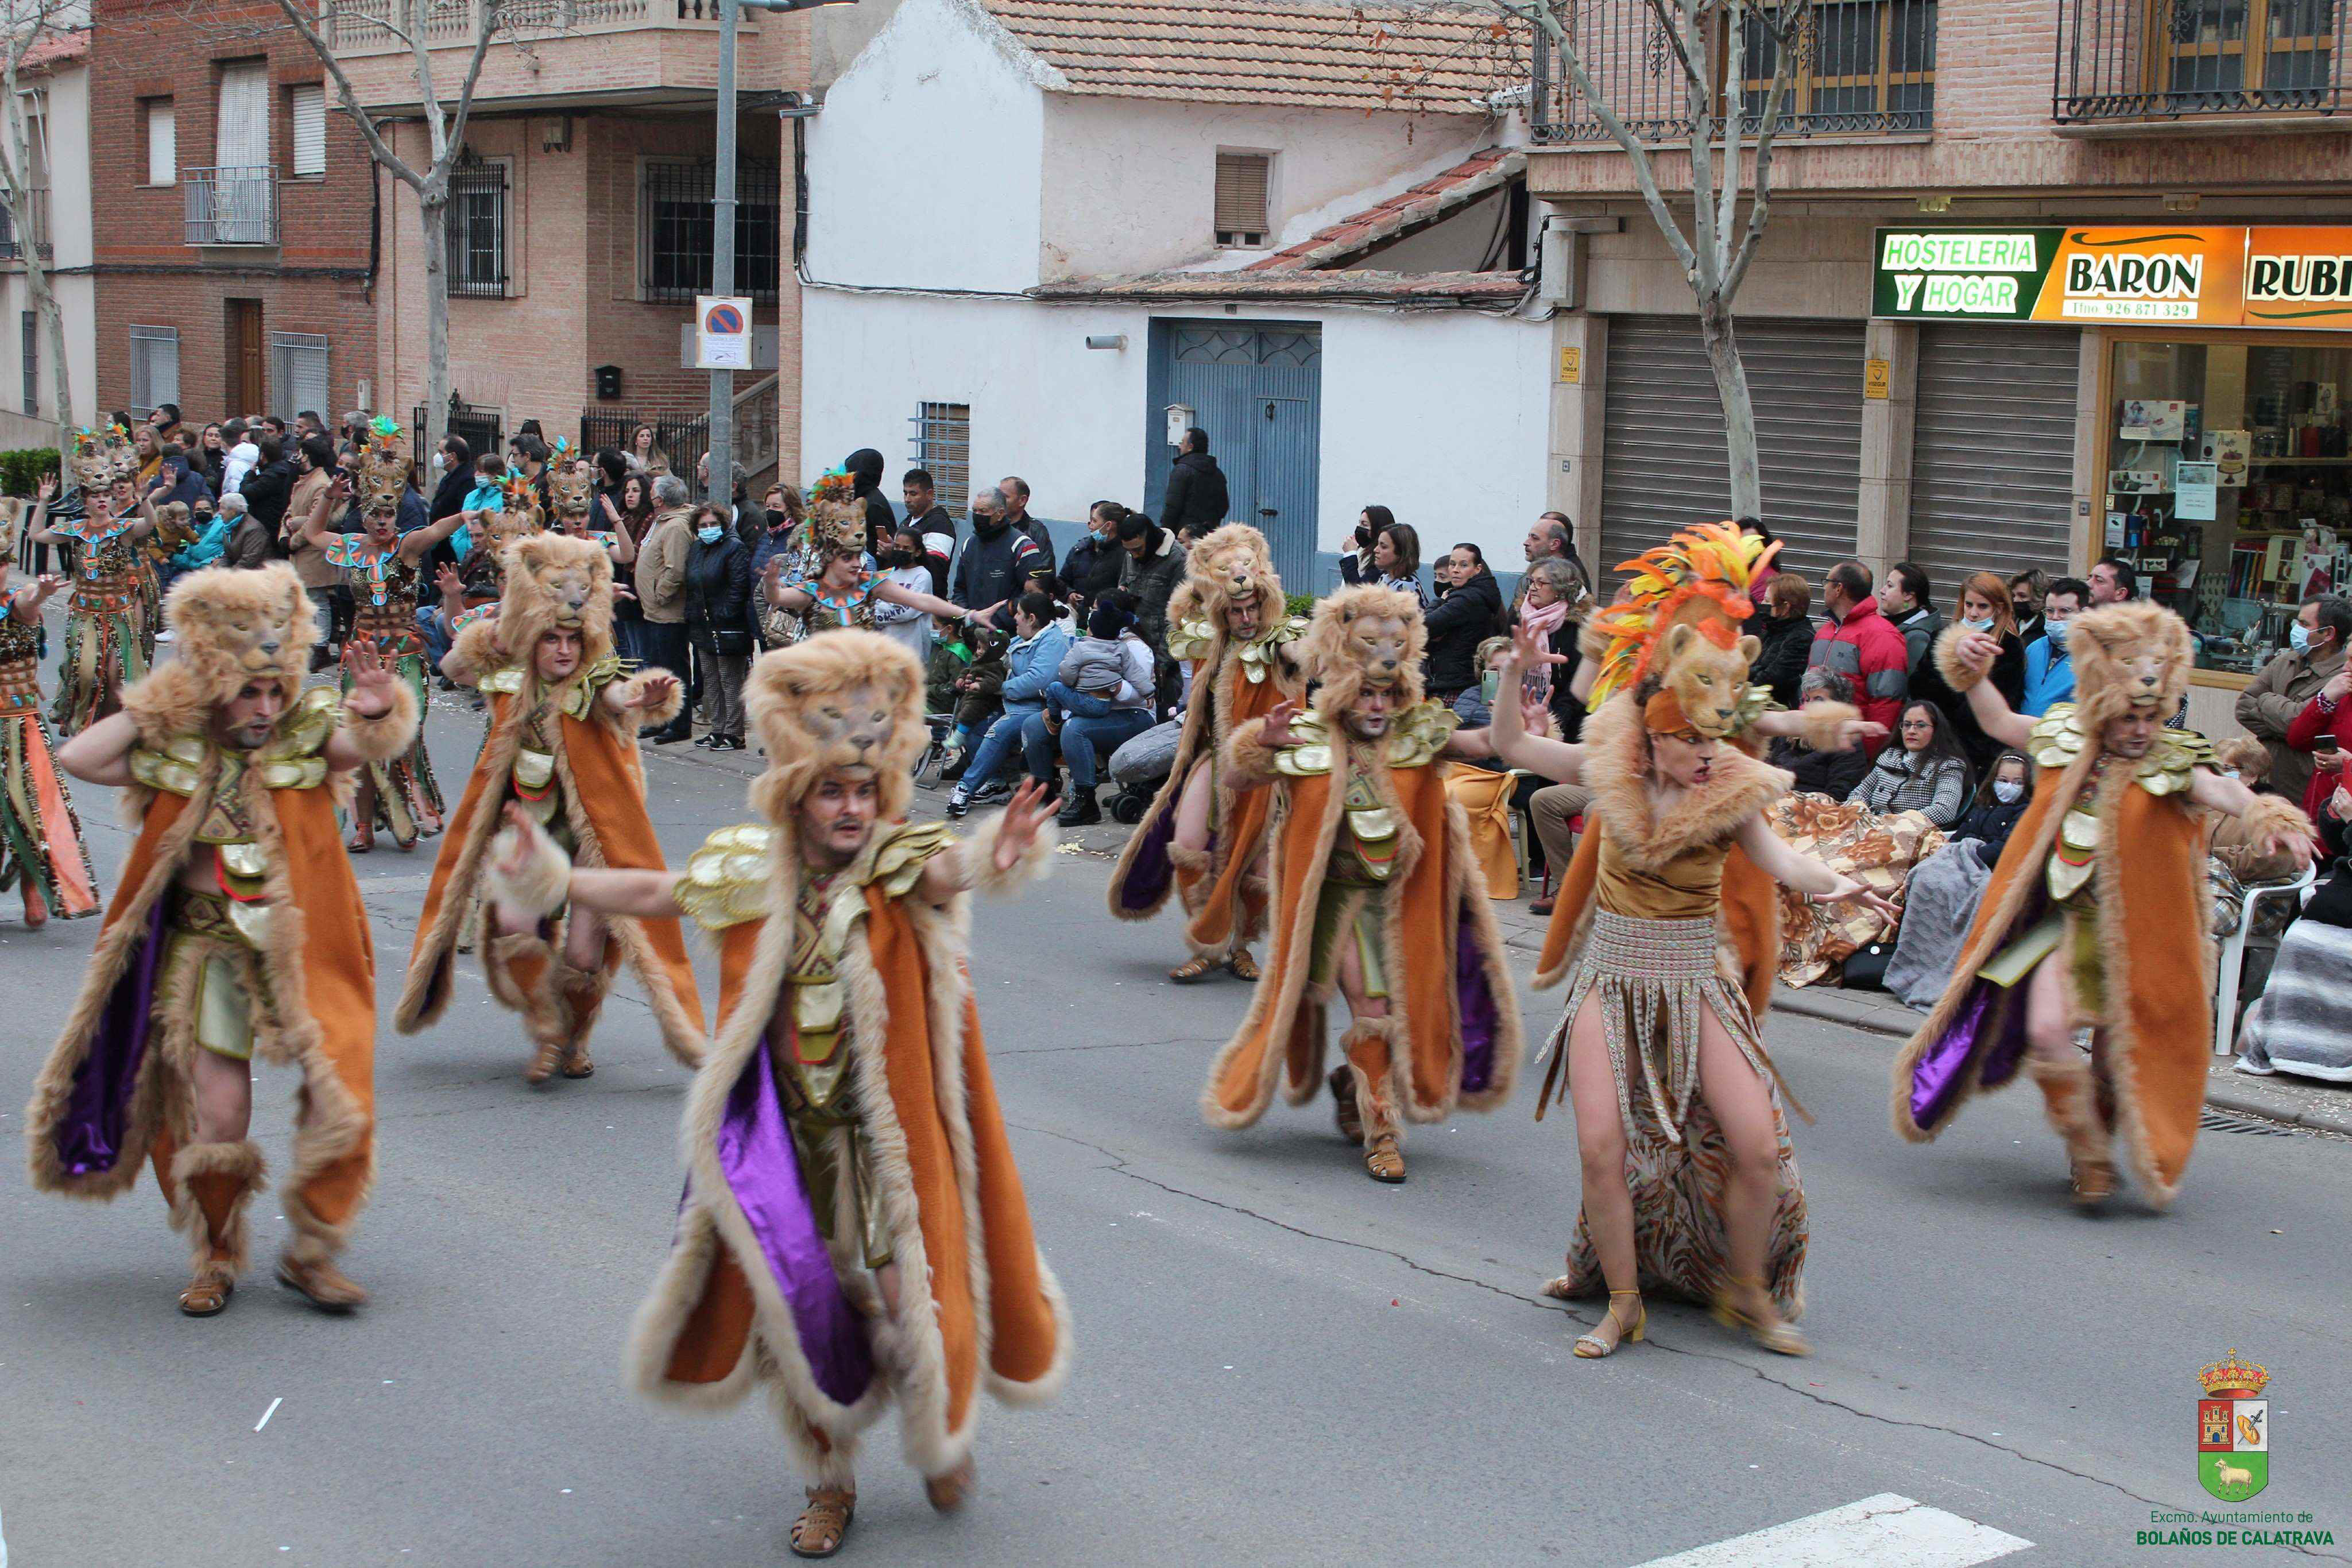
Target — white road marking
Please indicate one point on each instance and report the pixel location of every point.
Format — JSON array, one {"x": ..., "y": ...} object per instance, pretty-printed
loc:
[
  {"x": 1888, "y": 1530},
  {"x": 266, "y": 1415}
]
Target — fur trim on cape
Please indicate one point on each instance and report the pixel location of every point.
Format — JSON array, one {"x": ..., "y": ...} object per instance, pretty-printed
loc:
[
  {"x": 1616, "y": 768},
  {"x": 475, "y": 654}
]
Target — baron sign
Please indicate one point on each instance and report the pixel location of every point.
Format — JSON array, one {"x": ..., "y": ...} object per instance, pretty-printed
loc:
[{"x": 2155, "y": 273}]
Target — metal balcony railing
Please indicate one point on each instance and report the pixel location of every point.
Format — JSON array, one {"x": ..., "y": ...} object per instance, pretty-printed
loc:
[
  {"x": 231, "y": 207},
  {"x": 366, "y": 27},
  {"x": 2181, "y": 59},
  {"x": 1862, "y": 68},
  {"x": 12, "y": 243}
]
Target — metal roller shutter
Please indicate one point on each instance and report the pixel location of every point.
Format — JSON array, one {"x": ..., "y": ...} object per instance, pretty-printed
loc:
[
  {"x": 1992, "y": 453},
  {"x": 1662, "y": 450}
]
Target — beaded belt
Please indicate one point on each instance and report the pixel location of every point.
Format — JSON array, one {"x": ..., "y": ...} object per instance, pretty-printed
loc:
[
  {"x": 20, "y": 686},
  {"x": 1655, "y": 950},
  {"x": 110, "y": 596}
]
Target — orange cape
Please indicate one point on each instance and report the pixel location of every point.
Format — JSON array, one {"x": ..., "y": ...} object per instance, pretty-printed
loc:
[
  {"x": 604, "y": 801},
  {"x": 321, "y": 967},
  {"x": 978, "y": 1306},
  {"x": 1434, "y": 904}
]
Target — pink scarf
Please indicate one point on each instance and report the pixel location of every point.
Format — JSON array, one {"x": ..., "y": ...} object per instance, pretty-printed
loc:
[{"x": 1536, "y": 683}]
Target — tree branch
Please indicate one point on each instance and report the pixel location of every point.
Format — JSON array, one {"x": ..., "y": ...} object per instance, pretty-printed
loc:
[
  {"x": 1705, "y": 270},
  {"x": 369, "y": 130},
  {"x": 1645, "y": 175},
  {"x": 1784, "y": 71},
  {"x": 489, "y": 24}
]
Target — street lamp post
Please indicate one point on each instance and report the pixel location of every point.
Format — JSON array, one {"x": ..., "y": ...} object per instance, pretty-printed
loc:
[{"x": 722, "y": 233}]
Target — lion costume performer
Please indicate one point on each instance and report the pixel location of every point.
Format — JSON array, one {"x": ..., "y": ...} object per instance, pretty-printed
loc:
[
  {"x": 385, "y": 571},
  {"x": 108, "y": 638},
  {"x": 1229, "y": 622},
  {"x": 1375, "y": 892},
  {"x": 853, "y": 1232},
  {"x": 236, "y": 930},
  {"x": 2103, "y": 880},
  {"x": 41, "y": 849},
  {"x": 568, "y": 754}
]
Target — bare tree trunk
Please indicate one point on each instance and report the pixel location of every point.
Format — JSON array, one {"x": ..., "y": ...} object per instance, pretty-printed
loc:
[
  {"x": 1746, "y": 470},
  {"x": 433, "y": 216},
  {"x": 52, "y": 317}
]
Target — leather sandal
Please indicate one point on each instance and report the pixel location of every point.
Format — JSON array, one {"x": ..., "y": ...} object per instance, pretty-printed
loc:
[
  {"x": 1344, "y": 1110},
  {"x": 824, "y": 1522},
  {"x": 207, "y": 1295},
  {"x": 1612, "y": 1329},
  {"x": 953, "y": 1490},
  {"x": 1383, "y": 1160},
  {"x": 322, "y": 1284},
  {"x": 1192, "y": 969},
  {"x": 1244, "y": 966},
  {"x": 576, "y": 1064},
  {"x": 1764, "y": 1324},
  {"x": 2094, "y": 1180},
  {"x": 543, "y": 1063}
]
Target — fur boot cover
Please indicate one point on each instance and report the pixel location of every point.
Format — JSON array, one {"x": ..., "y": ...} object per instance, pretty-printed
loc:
[
  {"x": 1233, "y": 682},
  {"x": 1454, "y": 1014},
  {"x": 209, "y": 1187},
  {"x": 750, "y": 1294}
]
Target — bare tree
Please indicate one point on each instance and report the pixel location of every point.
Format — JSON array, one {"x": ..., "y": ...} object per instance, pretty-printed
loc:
[
  {"x": 30, "y": 24},
  {"x": 1730, "y": 142}
]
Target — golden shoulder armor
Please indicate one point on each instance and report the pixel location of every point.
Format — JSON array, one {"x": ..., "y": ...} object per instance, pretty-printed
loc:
[{"x": 726, "y": 881}]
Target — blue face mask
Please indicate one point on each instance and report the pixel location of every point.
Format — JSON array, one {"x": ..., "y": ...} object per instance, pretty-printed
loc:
[
  {"x": 2058, "y": 635},
  {"x": 710, "y": 533},
  {"x": 1984, "y": 624},
  {"x": 2298, "y": 637}
]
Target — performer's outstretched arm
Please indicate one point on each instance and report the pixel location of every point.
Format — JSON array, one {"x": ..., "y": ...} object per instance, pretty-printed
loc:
[
  {"x": 377, "y": 696},
  {"x": 990, "y": 861},
  {"x": 1559, "y": 760},
  {"x": 1809, "y": 876},
  {"x": 528, "y": 873},
  {"x": 2283, "y": 827},
  {"x": 1974, "y": 654},
  {"x": 101, "y": 754}
]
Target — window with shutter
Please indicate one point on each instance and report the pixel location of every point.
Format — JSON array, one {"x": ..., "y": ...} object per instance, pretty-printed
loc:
[
  {"x": 243, "y": 139},
  {"x": 943, "y": 450},
  {"x": 307, "y": 112},
  {"x": 154, "y": 367},
  {"x": 1241, "y": 198},
  {"x": 298, "y": 373},
  {"x": 32, "y": 356},
  {"x": 162, "y": 143}
]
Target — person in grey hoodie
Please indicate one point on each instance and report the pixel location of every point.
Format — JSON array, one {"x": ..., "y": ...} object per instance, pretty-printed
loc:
[
  {"x": 1031, "y": 663},
  {"x": 1084, "y": 727}
]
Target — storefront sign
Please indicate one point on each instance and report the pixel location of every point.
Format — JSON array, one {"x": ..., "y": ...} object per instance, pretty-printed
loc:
[{"x": 2155, "y": 273}]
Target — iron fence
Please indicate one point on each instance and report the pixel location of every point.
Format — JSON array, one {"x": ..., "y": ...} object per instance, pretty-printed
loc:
[
  {"x": 2171, "y": 60},
  {"x": 1862, "y": 67},
  {"x": 684, "y": 439},
  {"x": 481, "y": 429},
  {"x": 231, "y": 207}
]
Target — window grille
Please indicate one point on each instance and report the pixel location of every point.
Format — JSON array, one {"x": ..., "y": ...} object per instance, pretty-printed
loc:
[
  {"x": 1241, "y": 198},
  {"x": 476, "y": 228},
  {"x": 306, "y": 108},
  {"x": 32, "y": 357},
  {"x": 675, "y": 245},
  {"x": 298, "y": 373},
  {"x": 943, "y": 449},
  {"x": 154, "y": 367}
]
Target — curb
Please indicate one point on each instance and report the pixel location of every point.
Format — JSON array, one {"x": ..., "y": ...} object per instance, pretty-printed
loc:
[{"x": 2241, "y": 1099}]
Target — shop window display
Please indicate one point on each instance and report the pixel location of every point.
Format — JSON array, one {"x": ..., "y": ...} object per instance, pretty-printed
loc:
[{"x": 2230, "y": 485}]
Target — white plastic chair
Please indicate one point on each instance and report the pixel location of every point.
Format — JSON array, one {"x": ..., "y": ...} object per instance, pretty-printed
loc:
[{"x": 2234, "y": 955}]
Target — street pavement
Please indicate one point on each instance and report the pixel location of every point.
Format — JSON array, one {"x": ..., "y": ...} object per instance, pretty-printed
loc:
[{"x": 1278, "y": 1360}]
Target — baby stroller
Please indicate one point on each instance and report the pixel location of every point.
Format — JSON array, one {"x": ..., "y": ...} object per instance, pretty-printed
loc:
[
  {"x": 936, "y": 751},
  {"x": 1140, "y": 766}
]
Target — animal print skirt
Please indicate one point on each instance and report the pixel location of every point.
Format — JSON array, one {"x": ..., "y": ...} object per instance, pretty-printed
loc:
[{"x": 1650, "y": 980}]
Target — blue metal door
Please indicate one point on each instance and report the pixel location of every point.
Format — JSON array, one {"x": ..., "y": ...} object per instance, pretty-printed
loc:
[{"x": 1257, "y": 390}]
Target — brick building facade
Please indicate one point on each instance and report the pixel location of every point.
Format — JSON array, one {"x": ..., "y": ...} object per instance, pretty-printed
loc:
[{"x": 234, "y": 230}]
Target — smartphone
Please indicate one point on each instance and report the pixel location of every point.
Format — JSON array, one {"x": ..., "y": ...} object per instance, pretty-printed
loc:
[{"x": 1489, "y": 685}]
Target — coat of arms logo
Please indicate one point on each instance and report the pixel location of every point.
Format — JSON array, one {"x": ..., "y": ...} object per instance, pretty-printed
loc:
[{"x": 2233, "y": 1429}]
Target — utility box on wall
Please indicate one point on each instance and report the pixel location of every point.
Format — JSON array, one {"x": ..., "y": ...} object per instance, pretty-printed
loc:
[
  {"x": 1181, "y": 418},
  {"x": 608, "y": 383}
]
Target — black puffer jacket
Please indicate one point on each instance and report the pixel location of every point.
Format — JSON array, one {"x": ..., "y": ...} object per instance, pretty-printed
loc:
[
  {"x": 1788, "y": 644},
  {"x": 1196, "y": 493},
  {"x": 1457, "y": 623},
  {"x": 718, "y": 594}
]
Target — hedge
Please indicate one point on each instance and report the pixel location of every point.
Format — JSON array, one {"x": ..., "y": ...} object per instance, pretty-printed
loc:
[{"x": 21, "y": 469}]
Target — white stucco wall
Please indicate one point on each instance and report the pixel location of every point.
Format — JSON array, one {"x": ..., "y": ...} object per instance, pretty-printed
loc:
[
  {"x": 1130, "y": 183},
  {"x": 1429, "y": 415},
  {"x": 923, "y": 167},
  {"x": 70, "y": 235}
]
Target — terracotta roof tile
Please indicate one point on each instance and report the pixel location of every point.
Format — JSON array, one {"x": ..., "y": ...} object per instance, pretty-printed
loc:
[
  {"x": 1422, "y": 59},
  {"x": 57, "y": 49},
  {"x": 1436, "y": 197}
]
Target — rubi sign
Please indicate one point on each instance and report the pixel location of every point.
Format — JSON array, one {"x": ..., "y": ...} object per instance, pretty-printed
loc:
[{"x": 2200, "y": 276}]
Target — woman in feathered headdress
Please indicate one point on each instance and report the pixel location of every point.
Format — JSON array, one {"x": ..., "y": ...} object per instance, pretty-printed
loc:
[
  {"x": 107, "y": 635},
  {"x": 830, "y": 580}
]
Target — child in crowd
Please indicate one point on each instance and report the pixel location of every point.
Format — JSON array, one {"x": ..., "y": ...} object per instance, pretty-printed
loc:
[
  {"x": 972, "y": 691},
  {"x": 2000, "y": 801}
]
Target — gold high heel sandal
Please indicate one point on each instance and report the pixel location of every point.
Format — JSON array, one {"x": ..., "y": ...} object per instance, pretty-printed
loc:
[
  {"x": 1766, "y": 1328},
  {"x": 1592, "y": 1347}
]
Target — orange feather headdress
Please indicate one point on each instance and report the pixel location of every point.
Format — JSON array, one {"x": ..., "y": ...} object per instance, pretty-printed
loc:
[{"x": 1700, "y": 577}]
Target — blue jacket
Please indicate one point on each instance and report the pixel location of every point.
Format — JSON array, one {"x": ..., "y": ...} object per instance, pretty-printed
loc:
[
  {"x": 206, "y": 548},
  {"x": 2046, "y": 683},
  {"x": 1031, "y": 666}
]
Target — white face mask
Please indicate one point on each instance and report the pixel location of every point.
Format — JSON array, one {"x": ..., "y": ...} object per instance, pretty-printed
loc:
[
  {"x": 1983, "y": 623},
  {"x": 2007, "y": 790}
]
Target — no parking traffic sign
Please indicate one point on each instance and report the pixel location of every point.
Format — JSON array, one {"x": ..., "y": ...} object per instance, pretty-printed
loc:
[{"x": 722, "y": 332}]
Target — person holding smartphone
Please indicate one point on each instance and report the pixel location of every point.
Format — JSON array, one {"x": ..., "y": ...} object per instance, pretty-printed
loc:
[{"x": 2321, "y": 730}]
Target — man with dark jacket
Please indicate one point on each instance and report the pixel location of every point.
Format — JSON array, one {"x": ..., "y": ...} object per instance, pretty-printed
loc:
[
  {"x": 932, "y": 523},
  {"x": 456, "y": 479},
  {"x": 864, "y": 467},
  {"x": 996, "y": 563},
  {"x": 1196, "y": 488},
  {"x": 1015, "y": 491},
  {"x": 1786, "y": 630},
  {"x": 270, "y": 484},
  {"x": 1155, "y": 565},
  {"x": 1096, "y": 563}
]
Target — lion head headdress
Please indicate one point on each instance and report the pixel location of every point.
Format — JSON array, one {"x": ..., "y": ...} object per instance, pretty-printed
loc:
[
  {"x": 383, "y": 478},
  {"x": 572, "y": 488},
  {"x": 553, "y": 582},
  {"x": 835, "y": 520},
  {"x": 2135, "y": 654},
  {"x": 100, "y": 457},
  {"x": 1365, "y": 637},
  {"x": 846, "y": 699},
  {"x": 523, "y": 511},
  {"x": 1231, "y": 571},
  {"x": 230, "y": 626},
  {"x": 1681, "y": 621}
]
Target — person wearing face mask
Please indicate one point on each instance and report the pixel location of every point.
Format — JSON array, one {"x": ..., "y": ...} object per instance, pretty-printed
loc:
[
  {"x": 1984, "y": 607},
  {"x": 904, "y": 565},
  {"x": 719, "y": 621},
  {"x": 2312, "y": 667},
  {"x": 1093, "y": 566},
  {"x": 2049, "y": 672},
  {"x": 2026, "y": 591}
]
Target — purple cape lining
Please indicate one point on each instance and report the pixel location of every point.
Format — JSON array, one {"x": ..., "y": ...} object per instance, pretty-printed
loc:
[
  {"x": 88, "y": 1139},
  {"x": 762, "y": 1169},
  {"x": 1482, "y": 1019},
  {"x": 1149, "y": 873},
  {"x": 1987, "y": 1035}
]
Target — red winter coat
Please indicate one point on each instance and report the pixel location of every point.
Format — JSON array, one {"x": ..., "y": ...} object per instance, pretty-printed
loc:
[
  {"x": 1867, "y": 649},
  {"x": 2303, "y": 734}
]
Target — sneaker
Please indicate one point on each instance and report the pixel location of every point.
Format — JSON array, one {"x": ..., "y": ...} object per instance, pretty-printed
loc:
[
  {"x": 958, "y": 801},
  {"x": 164, "y": 635},
  {"x": 726, "y": 742},
  {"x": 707, "y": 742},
  {"x": 987, "y": 794}
]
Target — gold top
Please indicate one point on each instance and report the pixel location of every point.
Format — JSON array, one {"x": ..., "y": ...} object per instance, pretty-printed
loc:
[
  {"x": 577, "y": 696},
  {"x": 726, "y": 881},
  {"x": 1689, "y": 886},
  {"x": 1416, "y": 735},
  {"x": 291, "y": 759},
  {"x": 2059, "y": 737}
]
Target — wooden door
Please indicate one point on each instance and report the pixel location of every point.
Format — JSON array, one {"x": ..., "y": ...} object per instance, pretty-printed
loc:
[{"x": 247, "y": 386}]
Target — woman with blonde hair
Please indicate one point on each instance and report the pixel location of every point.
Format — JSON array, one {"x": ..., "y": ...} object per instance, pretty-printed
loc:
[{"x": 1984, "y": 606}]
